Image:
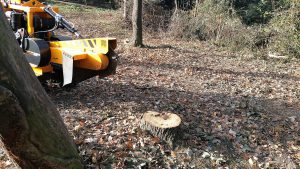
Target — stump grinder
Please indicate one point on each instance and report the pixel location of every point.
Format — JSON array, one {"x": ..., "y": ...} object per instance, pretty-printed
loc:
[{"x": 53, "y": 56}]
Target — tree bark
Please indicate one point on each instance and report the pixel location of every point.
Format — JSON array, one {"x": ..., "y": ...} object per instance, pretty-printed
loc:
[
  {"x": 30, "y": 125},
  {"x": 137, "y": 36}
]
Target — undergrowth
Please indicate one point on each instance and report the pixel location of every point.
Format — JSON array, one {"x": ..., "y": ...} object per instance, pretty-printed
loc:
[{"x": 261, "y": 27}]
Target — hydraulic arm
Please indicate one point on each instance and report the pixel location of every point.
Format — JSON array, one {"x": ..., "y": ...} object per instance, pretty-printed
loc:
[{"x": 61, "y": 21}]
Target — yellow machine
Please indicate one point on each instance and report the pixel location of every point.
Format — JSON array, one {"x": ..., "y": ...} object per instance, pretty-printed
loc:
[{"x": 53, "y": 56}]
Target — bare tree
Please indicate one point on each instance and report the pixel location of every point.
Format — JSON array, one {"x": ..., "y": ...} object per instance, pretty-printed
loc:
[
  {"x": 176, "y": 8},
  {"x": 30, "y": 125},
  {"x": 137, "y": 36},
  {"x": 125, "y": 10}
]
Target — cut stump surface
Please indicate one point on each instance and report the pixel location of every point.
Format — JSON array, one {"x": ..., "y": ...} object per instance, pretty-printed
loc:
[{"x": 164, "y": 125}]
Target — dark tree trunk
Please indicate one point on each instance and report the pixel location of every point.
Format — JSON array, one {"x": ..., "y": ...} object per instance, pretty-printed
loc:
[
  {"x": 137, "y": 36},
  {"x": 30, "y": 125}
]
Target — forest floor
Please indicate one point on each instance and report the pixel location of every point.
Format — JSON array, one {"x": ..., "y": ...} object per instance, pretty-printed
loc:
[{"x": 237, "y": 111}]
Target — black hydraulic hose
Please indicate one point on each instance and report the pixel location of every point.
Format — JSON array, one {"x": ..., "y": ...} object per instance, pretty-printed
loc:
[{"x": 61, "y": 21}]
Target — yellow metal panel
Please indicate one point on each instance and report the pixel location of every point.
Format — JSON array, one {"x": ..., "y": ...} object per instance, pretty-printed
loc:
[
  {"x": 30, "y": 27},
  {"x": 97, "y": 45},
  {"x": 40, "y": 70},
  {"x": 89, "y": 53},
  {"x": 30, "y": 8},
  {"x": 33, "y": 3},
  {"x": 86, "y": 60},
  {"x": 16, "y": 1},
  {"x": 93, "y": 62},
  {"x": 25, "y": 8},
  {"x": 56, "y": 54}
]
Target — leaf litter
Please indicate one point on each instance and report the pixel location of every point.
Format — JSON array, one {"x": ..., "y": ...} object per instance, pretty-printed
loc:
[{"x": 238, "y": 112}]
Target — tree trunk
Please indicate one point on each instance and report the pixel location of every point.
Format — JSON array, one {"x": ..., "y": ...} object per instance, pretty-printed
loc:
[
  {"x": 125, "y": 10},
  {"x": 137, "y": 36},
  {"x": 176, "y": 8},
  {"x": 30, "y": 125}
]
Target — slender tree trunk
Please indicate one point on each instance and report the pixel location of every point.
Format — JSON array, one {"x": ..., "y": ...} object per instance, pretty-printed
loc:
[
  {"x": 137, "y": 36},
  {"x": 30, "y": 125},
  {"x": 125, "y": 10},
  {"x": 176, "y": 7}
]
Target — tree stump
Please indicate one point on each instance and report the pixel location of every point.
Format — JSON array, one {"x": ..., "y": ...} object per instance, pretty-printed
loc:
[{"x": 165, "y": 125}]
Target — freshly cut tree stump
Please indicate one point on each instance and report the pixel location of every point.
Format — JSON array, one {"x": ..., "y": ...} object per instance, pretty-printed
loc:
[{"x": 164, "y": 125}]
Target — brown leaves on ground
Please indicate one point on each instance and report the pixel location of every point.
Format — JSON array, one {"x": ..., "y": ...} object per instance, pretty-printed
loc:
[
  {"x": 237, "y": 111},
  {"x": 6, "y": 160}
]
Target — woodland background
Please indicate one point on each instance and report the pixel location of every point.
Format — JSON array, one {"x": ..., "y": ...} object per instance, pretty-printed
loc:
[{"x": 261, "y": 27}]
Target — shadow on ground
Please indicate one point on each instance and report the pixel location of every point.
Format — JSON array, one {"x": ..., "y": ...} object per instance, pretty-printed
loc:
[
  {"x": 236, "y": 126},
  {"x": 201, "y": 113}
]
